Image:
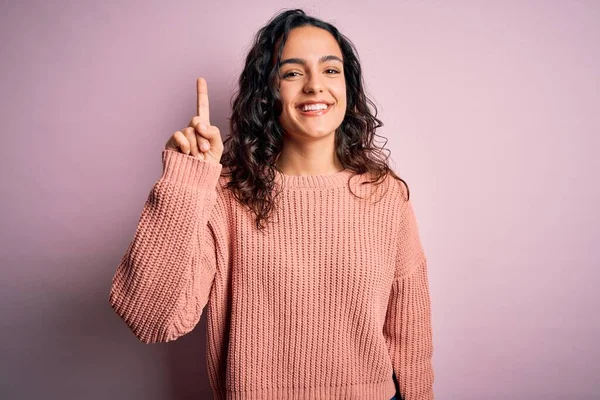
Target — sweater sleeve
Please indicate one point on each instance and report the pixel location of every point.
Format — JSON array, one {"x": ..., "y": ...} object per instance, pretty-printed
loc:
[
  {"x": 407, "y": 327},
  {"x": 163, "y": 281}
]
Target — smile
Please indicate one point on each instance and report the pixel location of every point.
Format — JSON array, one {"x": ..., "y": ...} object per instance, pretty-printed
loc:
[{"x": 313, "y": 110}]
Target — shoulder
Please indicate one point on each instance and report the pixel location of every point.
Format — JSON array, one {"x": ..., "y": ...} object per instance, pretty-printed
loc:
[
  {"x": 392, "y": 187},
  {"x": 400, "y": 200},
  {"x": 398, "y": 185}
]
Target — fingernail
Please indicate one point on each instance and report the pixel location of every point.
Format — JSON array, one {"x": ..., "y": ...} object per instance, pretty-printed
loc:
[
  {"x": 205, "y": 146},
  {"x": 203, "y": 126}
]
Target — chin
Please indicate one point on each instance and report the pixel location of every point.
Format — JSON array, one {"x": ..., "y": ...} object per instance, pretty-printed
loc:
[
  {"x": 317, "y": 132},
  {"x": 305, "y": 128}
]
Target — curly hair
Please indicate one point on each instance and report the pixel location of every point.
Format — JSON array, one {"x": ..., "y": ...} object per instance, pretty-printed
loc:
[{"x": 256, "y": 137}]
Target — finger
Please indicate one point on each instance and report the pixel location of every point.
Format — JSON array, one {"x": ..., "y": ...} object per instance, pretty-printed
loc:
[
  {"x": 210, "y": 133},
  {"x": 216, "y": 142},
  {"x": 202, "y": 100},
  {"x": 190, "y": 135},
  {"x": 181, "y": 142},
  {"x": 171, "y": 144},
  {"x": 203, "y": 143}
]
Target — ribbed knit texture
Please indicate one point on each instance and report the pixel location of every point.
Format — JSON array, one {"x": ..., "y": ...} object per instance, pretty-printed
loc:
[{"x": 326, "y": 303}]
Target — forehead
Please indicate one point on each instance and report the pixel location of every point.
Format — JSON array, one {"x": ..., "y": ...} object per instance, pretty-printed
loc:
[{"x": 310, "y": 42}]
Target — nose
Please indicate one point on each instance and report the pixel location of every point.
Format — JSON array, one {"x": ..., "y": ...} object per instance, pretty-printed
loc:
[{"x": 313, "y": 83}]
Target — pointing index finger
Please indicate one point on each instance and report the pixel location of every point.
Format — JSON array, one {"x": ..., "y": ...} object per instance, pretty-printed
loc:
[{"x": 203, "y": 109}]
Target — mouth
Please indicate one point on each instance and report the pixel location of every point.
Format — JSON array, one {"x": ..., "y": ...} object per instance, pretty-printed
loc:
[{"x": 313, "y": 109}]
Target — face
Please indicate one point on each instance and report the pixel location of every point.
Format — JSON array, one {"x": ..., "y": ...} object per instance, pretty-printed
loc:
[{"x": 312, "y": 85}]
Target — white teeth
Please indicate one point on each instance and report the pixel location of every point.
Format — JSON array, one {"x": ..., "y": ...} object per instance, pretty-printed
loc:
[{"x": 314, "y": 107}]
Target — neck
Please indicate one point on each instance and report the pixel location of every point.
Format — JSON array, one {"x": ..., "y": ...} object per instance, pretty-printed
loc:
[{"x": 307, "y": 159}]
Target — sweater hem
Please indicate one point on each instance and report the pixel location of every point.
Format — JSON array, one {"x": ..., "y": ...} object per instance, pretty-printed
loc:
[{"x": 364, "y": 391}]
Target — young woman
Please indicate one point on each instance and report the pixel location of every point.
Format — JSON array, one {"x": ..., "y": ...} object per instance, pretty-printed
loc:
[{"x": 294, "y": 231}]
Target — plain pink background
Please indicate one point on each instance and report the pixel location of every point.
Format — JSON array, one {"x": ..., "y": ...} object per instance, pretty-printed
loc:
[{"x": 491, "y": 112}]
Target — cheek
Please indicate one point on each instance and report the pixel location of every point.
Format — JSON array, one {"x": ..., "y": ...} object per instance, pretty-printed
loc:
[
  {"x": 286, "y": 111},
  {"x": 284, "y": 98},
  {"x": 340, "y": 96},
  {"x": 286, "y": 95},
  {"x": 341, "y": 93},
  {"x": 338, "y": 91}
]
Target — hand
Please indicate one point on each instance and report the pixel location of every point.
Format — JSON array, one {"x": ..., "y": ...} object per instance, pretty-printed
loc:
[{"x": 199, "y": 138}]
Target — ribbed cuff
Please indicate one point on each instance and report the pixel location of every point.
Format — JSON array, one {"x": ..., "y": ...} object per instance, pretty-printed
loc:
[{"x": 189, "y": 171}]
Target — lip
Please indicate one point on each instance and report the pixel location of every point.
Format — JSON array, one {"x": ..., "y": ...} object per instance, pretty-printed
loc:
[{"x": 313, "y": 113}]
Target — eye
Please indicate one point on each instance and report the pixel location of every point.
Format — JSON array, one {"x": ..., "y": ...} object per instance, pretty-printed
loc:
[
  {"x": 335, "y": 71},
  {"x": 290, "y": 74}
]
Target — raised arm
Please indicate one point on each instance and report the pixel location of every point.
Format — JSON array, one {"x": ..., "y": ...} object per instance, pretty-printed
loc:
[{"x": 163, "y": 281}]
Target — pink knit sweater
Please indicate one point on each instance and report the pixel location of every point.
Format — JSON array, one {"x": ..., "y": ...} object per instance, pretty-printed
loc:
[{"x": 326, "y": 304}]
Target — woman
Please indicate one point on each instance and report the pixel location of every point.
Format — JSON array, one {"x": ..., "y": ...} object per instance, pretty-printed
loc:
[{"x": 314, "y": 290}]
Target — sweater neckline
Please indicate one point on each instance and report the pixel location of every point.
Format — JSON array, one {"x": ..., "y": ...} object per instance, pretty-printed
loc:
[{"x": 336, "y": 179}]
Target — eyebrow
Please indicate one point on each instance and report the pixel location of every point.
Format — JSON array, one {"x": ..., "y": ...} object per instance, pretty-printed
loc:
[{"x": 303, "y": 61}]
